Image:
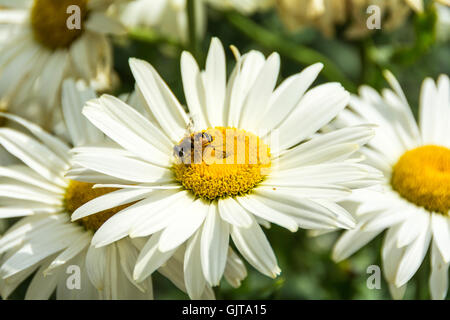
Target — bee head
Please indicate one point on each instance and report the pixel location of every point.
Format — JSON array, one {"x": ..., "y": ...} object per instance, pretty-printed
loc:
[{"x": 183, "y": 150}]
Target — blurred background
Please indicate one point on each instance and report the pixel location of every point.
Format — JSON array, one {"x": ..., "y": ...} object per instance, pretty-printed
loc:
[{"x": 413, "y": 43}]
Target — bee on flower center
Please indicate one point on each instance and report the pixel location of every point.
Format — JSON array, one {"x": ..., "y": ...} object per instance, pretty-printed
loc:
[
  {"x": 197, "y": 146},
  {"x": 185, "y": 150}
]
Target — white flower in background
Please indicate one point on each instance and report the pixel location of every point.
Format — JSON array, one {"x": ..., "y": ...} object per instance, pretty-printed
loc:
[
  {"x": 326, "y": 15},
  {"x": 293, "y": 183},
  {"x": 43, "y": 51},
  {"x": 443, "y": 22},
  {"x": 8, "y": 23},
  {"x": 169, "y": 17},
  {"x": 45, "y": 239},
  {"x": 414, "y": 205}
]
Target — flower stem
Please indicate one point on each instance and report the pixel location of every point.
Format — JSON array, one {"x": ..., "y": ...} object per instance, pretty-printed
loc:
[
  {"x": 276, "y": 42},
  {"x": 194, "y": 44}
]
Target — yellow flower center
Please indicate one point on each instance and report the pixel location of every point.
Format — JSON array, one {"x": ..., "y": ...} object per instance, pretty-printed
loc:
[
  {"x": 422, "y": 176},
  {"x": 221, "y": 162},
  {"x": 78, "y": 193},
  {"x": 54, "y": 21}
]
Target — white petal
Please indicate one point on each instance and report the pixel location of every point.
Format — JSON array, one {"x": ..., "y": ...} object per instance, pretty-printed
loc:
[
  {"x": 71, "y": 251},
  {"x": 410, "y": 229},
  {"x": 352, "y": 240},
  {"x": 253, "y": 245},
  {"x": 214, "y": 246},
  {"x": 39, "y": 249},
  {"x": 180, "y": 230},
  {"x": 336, "y": 153},
  {"x": 42, "y": 286},
  {"x": 317, "y": 107},
  {"x": 73, "y": 100},
  {"x": 101, "y": 23},
  {"x": 308, "y": 213},
  {"x": 397, "y": 293},
  {"x": 123, "y": 167},
  {"x": 53, "y": 143},
  {"x": 287, "y": 96},
  {"x": 413, "y": 257},
  {"x": 359, "y": 135},
  {"x": 255, "y": 204},
  {"x": 96, "y": 265},
  {"x": 233, "y": 213},
  {"x": 163, "y": 104},
  {"x": 109, "y": 200},
  {"x": 33, "y": 154},
  {"x": 129, "y": 129},
  {"x": 259, "y": 95},
  {"x": 235, "y": 270},
  {"x": 440, "y": 226},
  {"x": 214, "y": 80},
  {"x": 150, "y": 258},
  {"x": 25, "y": 175},
  {"x": 193, "y": 276},
  {"x": 249, "y": 67},
  {"x": 121, "y": 224},
  {"x": 159, "y": 210},
  {"x": 439, "y": 274},
  {"x": 193, "y": 90}
]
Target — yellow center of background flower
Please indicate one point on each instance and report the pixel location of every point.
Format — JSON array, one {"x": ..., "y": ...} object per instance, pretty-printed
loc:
[
  {"x": 221, "y": 162},
  {"x": 78, "y": 193},
  {"x": 422, "y": 176},
  {"x": 49, "y": 22}
]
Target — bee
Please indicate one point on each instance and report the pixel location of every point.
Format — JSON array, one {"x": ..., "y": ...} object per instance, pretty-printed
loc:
[{"x": 186, "y": 149}]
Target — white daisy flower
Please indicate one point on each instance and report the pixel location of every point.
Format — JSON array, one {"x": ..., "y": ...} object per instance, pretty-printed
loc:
[
  {"x": 43, "y": 51},
  {"x": 415, "y": 201},
  {"x": 45, "y": 239},
  {"x": 169, "y": 17},
  {"x": 352, "y": 15},
  {"x": 209, "y": 194}
]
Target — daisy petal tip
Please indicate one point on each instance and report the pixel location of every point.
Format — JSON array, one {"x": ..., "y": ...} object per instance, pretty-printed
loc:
[
  {"x": 185, "y": 55},
  {"x": 132, "y": 60},
  {"x": 133, "y": 234},
  {"x": 137, "y": 277},
  {"x": 398, "y": 283},
  {"x": 318, "y": 66},
  {"x": 336, "y": 258},
  {"x": 47, "y": 271},
  {"x": 275, "y": 55},
  {"x": 163, "y": 247},
  {"x": 235, "y": 51},
  {"x": 351, "y": 225},
  {"x": 97, "y": 244},
  {"x": 246, "y": 225},
  {"x": 387, "y": 73},
  {"x": 275, "y": 272},
  {"x": 213, "y": 282}
]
